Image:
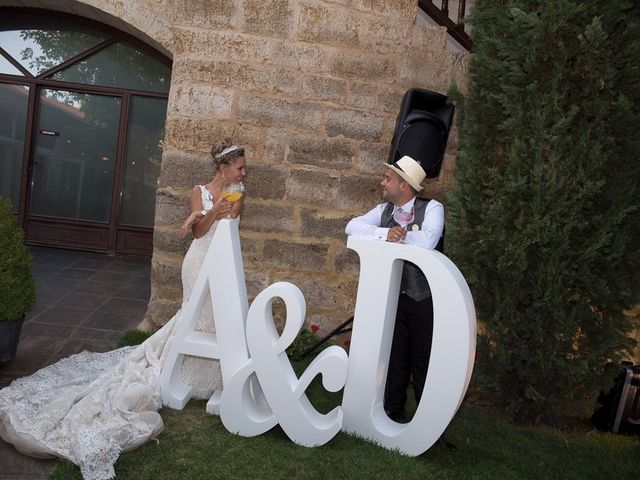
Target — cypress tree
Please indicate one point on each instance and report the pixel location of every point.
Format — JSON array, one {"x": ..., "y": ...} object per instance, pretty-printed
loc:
[{"x": 544, "y": 213}]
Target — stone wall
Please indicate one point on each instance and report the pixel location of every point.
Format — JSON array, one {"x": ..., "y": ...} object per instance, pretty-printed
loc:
[{"x": 311, "y": 88}]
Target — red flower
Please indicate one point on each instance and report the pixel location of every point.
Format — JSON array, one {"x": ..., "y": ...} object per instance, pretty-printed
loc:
[{"x": 315, "y": 328}]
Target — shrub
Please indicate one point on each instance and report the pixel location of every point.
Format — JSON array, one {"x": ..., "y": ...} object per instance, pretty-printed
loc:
[
  {"x": 17, "y": 289},
  {"x": 543, "y": 216},
  {"x": 133, "y": 337},
  {"x": 304, "y": 341}
]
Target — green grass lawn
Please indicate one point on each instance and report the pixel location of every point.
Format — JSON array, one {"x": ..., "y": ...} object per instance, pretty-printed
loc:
[{"x": 195, "y": 445}]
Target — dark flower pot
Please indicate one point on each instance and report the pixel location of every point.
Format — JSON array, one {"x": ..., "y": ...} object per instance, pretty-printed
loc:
[{"x": 9, "y": 336}]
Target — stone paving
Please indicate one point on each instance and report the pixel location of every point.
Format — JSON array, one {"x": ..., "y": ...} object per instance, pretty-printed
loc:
[{"x": 85, "y": 302}]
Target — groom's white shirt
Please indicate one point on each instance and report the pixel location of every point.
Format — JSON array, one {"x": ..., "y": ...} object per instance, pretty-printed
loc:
[{"x": 368, "y": 225}]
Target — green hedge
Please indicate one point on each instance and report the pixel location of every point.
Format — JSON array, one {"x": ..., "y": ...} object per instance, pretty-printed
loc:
[
  {"x": 544, "y": 215},
  {"x": 17, "y": 290}
]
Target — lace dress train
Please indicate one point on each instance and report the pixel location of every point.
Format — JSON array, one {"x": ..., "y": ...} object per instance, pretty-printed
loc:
[{"x": 90, "y": 407}]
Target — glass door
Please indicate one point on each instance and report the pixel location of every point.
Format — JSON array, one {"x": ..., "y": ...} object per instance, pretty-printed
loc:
[
  {"x": 142, "y": 160},
  {"x": 13, "y": 105},
  {"x": 140, "y": 173},
  {"x": 73, "y": 168},
  {"x": 83, "y": 109}
]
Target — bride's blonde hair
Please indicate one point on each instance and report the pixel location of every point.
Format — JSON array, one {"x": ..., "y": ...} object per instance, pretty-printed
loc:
[{"x": 225, "y": 152}]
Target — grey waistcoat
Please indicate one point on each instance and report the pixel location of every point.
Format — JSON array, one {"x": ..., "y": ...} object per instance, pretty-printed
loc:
[{"x": 413, "y": 283}]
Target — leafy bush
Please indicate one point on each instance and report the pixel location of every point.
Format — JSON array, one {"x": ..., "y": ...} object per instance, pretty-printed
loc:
[
  {"x": 17, "y": 289},
  {"x": 132, "y": 337},
  {"x": 305, "y": 340},
  {"x": 544, "y": 214}
]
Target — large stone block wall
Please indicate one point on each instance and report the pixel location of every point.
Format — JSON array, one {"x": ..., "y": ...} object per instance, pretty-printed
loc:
[{"x": 311, "y": 88}]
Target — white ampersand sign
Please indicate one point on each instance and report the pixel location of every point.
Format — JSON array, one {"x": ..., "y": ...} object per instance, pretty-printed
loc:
[
  {"x": 284, "y": 392},
  {"x": 260, "y": 387}
]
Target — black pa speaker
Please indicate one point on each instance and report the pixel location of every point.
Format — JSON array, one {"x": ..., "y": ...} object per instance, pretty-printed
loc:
[{"x": 422, "y": 129}]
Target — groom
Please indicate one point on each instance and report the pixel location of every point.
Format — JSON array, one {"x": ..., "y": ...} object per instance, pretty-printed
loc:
[{"x": 412, "y": 220}]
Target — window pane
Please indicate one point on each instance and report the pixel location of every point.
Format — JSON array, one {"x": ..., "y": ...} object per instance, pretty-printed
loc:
[
  {"x": 41, "y": 43},
  {"x": 7, "y": 67},
  {"x": 75, "y": 154},
  {"x": 143, "y": 156},
  {"x": 13, "y": 105},
  {"x": 120, "y": 65}
]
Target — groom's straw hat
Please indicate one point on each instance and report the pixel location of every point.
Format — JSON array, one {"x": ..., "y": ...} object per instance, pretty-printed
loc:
[{"x": 409, "y": 170}]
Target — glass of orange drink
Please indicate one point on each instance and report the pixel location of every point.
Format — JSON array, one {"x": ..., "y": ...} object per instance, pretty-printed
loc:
[{"x": 232, "y": 192}]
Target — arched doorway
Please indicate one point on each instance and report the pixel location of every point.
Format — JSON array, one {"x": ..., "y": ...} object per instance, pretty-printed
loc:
[{"x": 84, "y": 109}]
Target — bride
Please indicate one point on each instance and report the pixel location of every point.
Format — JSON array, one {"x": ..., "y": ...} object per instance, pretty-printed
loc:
[{"x": 90, "y": 407}]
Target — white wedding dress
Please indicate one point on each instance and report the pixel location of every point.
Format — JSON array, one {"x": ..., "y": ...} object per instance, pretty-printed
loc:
[{"x": 90, "y": 407}]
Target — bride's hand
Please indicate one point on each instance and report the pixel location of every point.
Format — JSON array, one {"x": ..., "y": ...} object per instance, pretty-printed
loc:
[
  {"x": 221, "y": 209},
  {"x": 237, "y": 207},
  {"x": 188, "y": 223}
]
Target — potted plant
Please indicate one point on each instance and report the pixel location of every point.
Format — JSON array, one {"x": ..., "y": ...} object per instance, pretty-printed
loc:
[{"x": 17, "y": 289}]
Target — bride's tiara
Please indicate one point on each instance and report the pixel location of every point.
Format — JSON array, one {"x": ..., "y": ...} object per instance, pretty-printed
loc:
[{"x": 227, "y": 151}]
